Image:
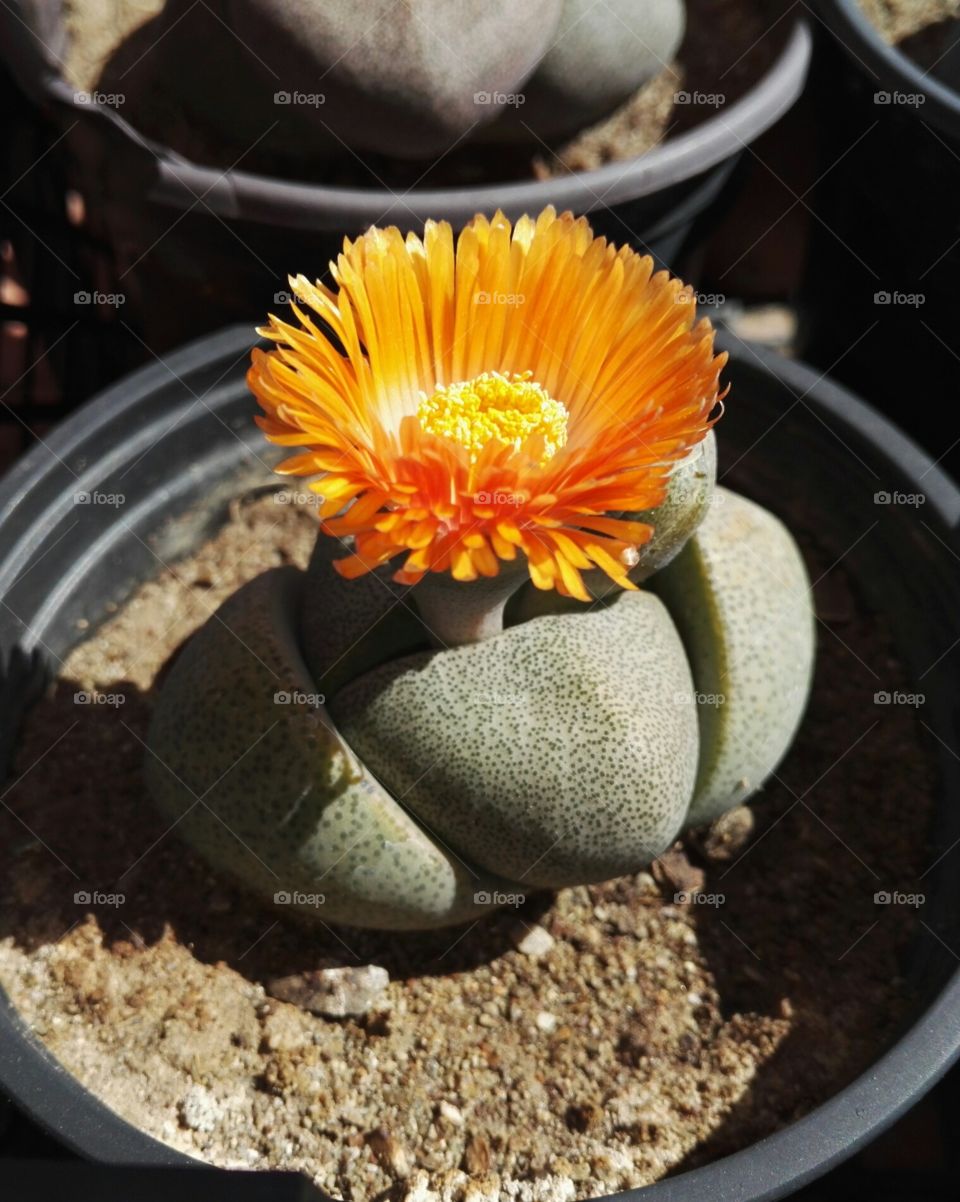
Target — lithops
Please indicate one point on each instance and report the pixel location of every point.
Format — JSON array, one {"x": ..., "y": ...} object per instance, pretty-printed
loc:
[
  {"x": 561, "y": 751},
  {"x": 443, "y": 713},
  {"x": 689, "y": 490},
  {"x": 245, "y": 758},
  {"x": 408, "y": 79},
  {"x": 599, "y": 57},
  {"x": 740, "y": 596}
]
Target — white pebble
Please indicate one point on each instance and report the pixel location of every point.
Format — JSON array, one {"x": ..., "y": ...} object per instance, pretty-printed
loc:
[
  {"x": 535, "y": 942},
  {"x": 199, "y": 1110},
  {"x": 451, "y": 1113},
  {"x": 543, "y": 1189}
]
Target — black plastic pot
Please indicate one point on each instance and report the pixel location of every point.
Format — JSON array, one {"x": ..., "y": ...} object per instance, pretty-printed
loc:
[
  {"x": 879, "y": 303},
  {"x": 197, "y": 247},
  {"x": 42, "y": 1181},
  {"x": 178, "y": 441}
]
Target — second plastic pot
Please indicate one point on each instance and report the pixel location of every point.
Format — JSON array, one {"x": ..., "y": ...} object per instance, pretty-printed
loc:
[{"x": 197, "y": 247}]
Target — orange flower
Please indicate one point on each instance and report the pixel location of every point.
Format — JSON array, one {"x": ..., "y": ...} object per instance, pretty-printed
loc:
[{"x": 518, "y": 391}]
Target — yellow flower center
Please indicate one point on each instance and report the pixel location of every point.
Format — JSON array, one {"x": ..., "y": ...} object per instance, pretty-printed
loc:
[{"x": 508, "y": 408}]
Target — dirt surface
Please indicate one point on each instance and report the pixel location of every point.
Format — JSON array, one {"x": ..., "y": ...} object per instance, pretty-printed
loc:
[
  {"x": 899, "y": 19},
  {"x": 117, "y": 47},
  {"x": 926, "y": 30},
  {"x": 594, "y": 1040}
]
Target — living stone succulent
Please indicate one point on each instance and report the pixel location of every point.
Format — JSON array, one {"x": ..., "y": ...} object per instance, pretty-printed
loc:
[
  {"x": 406, "y": 79},
  {"x": 416, "y": 78},
  {"x": 410, "y": 80},
  {"x": 466, "y": 696},
  {"x": 599, "y": 56}
]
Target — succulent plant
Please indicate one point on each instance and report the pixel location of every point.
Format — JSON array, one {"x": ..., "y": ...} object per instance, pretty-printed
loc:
[
  {"x": 401, "y": 79},
  {"x": 466, "y": 696},
  {"x": 598, "y": 57},
  {"x": 408, "y": 80}
]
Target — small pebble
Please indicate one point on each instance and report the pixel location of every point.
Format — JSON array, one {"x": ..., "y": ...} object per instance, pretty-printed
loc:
[
  {"x": 199, "y": 1110},
  {"x": 541, "y": 1189},
  {"x": 420, "y": 1191},
  {"x": 533, "y": 941},
  {"x": 725, "y": 839},
  {"x": 546, "y": 1022},
  {"x": 390, "y": 1152},
  {"x": 451, "y": 1113},
  {"x": 333, "y": 992}
]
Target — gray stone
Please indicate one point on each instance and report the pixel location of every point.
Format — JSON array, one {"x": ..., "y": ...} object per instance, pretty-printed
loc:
[{"x": 334, "y": 992}]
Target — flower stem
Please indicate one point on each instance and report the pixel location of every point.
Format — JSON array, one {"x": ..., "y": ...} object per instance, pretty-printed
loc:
[{"x": 455, "y": 612}]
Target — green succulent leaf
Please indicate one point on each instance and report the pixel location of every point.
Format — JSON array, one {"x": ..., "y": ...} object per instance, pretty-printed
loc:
[
  {"x": 740, "y": 596},
  {"x": 245, "y": 758},
  {"x": 561, "y": 751}
]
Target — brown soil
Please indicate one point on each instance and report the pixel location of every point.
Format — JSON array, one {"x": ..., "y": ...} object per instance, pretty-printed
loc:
[
  {"x": 898, "y": 19},
  {"x": 114, "y": 48},
  {"x": 650, "y": 1036},
  {"x": 923, "y": 29}
]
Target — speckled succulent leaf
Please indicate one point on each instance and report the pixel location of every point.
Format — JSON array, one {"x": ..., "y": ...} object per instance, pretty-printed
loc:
[
  {"x": 563, "y": 750},
  {"x": 259, "y": 781},
  {"x": 740, "y": 597},
  {"x": 674, "y": 521},
  {"x": 347, "y": 627},
  {"x": 601, "y": 54},
  {"x": 406, "y": 80}
]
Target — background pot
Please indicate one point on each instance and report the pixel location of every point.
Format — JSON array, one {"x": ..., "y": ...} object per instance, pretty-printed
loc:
[
  {"x": 879, "y": 303},
  {"x": 196, "y": 246},
  {"x": 186, "y": 427}
]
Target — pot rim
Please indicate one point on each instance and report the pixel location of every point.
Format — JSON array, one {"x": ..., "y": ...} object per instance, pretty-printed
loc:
[
  {"x": 766, "y": 1170},
  {"x": 861, "y": 40},
  {"x": 178, "y": 182}
]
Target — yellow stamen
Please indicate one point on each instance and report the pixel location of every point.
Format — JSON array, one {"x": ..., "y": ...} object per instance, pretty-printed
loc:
[{"x": 508, "y": 408}]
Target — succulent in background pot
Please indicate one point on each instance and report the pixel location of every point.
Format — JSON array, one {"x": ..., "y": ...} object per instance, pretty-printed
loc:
[
  {"x": 509, "y": 412},
  {"x": 201, "y": 230}
]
